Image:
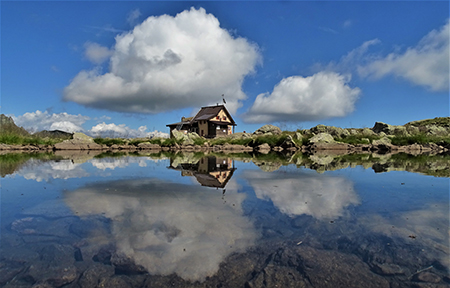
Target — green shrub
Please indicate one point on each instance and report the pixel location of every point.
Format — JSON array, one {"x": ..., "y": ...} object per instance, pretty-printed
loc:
[
  {"x": 16, "y": 139},
  {"x": 199, "y": 141},
  {"x": 420, "y": 138},
  {"x": 109, "y": 141}
]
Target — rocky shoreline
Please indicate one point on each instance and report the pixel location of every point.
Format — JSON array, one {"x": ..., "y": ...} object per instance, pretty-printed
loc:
[{"x": 319, "y": 139}]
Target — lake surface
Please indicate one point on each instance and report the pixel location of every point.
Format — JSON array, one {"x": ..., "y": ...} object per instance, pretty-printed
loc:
[{"x": 192, "y": 220}]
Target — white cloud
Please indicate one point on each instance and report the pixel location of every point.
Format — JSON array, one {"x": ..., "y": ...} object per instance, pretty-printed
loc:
[
  {"x": 320, "y": 96},
  {"x": 38, "y": 121},
  {"x": 96, "y": 53},
  {"x": 133, "y": 16},
  {"x": 169, "y": 63},
  {"x": 347, "y": 23},
  {"x": 39, "y": 171},
  {"x": 113, "y": 130},
  {"x": 168, "y": 227},
  {"x": 320, "y": 196},
  {"x": 426, "y": 64}
]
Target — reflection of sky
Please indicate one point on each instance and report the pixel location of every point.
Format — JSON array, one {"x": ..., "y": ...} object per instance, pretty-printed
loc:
[
  {"x": 320, "y": 196},
  {"x": 44, "y": 171},
  {"x": 167, "y": 227}
]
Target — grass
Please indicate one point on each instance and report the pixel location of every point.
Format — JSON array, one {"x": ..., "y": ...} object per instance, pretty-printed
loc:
[
  {"x": 109, "y": 141},
  {"x": 420, "y": 138},
  {"x": 358, "y": 139},
  {"x": 16, "y": 139}
]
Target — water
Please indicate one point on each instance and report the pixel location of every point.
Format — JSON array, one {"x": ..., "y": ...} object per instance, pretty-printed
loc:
[{"x": 191, "y": 220}]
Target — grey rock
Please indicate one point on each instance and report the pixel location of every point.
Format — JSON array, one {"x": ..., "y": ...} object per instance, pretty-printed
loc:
[
  {"x": 268, "y": 129},
  {"x": 428, "y": 277},
  {"x": 388, "y": 269},
  {"x": 322, "y": 138}
]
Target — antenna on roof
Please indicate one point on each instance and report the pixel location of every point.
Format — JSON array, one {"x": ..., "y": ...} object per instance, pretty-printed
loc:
[{"x": 223, "y": 99}]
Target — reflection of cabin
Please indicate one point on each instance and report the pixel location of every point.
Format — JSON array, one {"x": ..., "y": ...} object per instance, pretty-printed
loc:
[
  {"x": 209, "y": 122},
  {"x": 209, "y": 171}
]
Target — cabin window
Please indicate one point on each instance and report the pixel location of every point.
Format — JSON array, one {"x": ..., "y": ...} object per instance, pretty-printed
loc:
[
  {"x": 217, "y": 117},
  {"x": 224, "y": 117},
  {"x": 218, "y": 128}
]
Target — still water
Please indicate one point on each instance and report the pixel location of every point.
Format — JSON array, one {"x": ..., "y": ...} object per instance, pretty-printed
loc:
[{"x": 196, "y": 220}]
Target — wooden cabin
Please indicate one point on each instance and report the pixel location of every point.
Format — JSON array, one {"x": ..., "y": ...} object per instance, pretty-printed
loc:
[{"x": 209, "y": 122}]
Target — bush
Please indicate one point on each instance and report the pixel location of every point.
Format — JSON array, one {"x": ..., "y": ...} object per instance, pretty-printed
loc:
[
  {"x": 16, "y": 139},
  {"x": 109, "y": 141}
]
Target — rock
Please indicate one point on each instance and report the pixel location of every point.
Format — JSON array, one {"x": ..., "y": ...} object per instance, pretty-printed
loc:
[
  {"x": 263, "y": 148},
  {"x": 289, "y": 143},
  {"x": 434, "y": 130},
  {"x": 96, "y": 274},
  {"x": 388, "y": 269},
  {"x": 235, "y": 147},
  {"x": 426, "y": 276},
  {"x": 277, "y": 149},
  {"x": 268, "y": 129},
  {"x": 334, "y": 131},
  {"x": 383, "y": 141},
  {"x": 80, "y": 141},
  {"x": 322, "y": 138},
  {"x": 148, "y": 145},
  {"x": 80, "y": 137}
]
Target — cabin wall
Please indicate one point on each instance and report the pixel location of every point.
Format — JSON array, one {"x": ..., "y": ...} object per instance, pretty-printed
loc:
[{"x": 203, "y": 128}]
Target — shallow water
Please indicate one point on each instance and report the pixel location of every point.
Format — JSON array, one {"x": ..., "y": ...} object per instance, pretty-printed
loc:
[{"x": 224, "y": 221}]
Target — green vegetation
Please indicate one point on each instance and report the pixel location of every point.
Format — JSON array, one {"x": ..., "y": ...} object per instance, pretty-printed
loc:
[
  {"x": 10, "y": 162},
  {"x": 110, "y": 141},
  {"x": 438, "y": 121},
  {"x": 358, "y": 139},
  {"x": 16, "y": 139},
  {"x": 420, "y": 138}
]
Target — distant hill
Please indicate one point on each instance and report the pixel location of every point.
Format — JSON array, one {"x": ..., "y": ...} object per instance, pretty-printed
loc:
[
  {"x": 7, "y": 125},
  {"x": 54, "y": 134}
]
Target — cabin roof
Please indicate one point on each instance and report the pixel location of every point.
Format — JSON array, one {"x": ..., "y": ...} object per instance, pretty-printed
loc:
[{"x": 209, "y": 112}]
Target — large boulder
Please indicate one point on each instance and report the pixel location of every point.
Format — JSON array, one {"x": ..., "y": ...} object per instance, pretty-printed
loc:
[
  {"x": 334, "y": 131},
  {"x": 322, "y": 138},
  {"x": 274, "y": 130},
  {"x": 80, "y": 141},
  {"x": 389, "y": 129}
]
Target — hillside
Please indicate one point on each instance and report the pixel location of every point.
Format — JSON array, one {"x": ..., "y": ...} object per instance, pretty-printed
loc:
[{"x": 7, "y": 126}]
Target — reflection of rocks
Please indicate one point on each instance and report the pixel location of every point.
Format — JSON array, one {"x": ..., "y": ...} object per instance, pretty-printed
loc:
[
  {"x": 296, "y": 193},
  {"x": 169, "y": 228}
]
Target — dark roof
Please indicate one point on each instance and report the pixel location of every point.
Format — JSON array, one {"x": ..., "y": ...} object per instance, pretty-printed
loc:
[
  {"x": 211, "y": 181},
  {"x": 178, "y": 123},
  {"x": 209, "y": 112}
]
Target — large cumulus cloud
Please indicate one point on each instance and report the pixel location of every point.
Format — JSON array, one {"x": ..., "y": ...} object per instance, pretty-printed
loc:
[
  {"x": 168, "y": 227},
  {"x": 320, "y": 96},
  {"x": 168, "y": 63},
  {"x": 321, "y": 196}
]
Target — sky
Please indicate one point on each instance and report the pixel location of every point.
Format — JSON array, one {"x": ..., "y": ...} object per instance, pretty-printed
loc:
[{"x": 127, "y": 69}]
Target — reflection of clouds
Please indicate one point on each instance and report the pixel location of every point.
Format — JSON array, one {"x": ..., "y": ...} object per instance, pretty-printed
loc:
[
  {"x": 110, "y": 163},
  {"x": 43, "y": 171},
  {"x": 320, "y": 196},
  {"x": 122, "y": 162},
  {"x": 168, "y": 227},
  {"x": 429, "y": 225}
]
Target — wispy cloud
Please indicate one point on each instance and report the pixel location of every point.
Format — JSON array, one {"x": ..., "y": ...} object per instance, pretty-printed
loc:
[
  {"x": 328, "y": 30},
  {"x": 347, "y": 23},
  {"x": 96, "y": 53},
  {"x": 133, "y": 16},
  {"x": 426, "y": 64}
]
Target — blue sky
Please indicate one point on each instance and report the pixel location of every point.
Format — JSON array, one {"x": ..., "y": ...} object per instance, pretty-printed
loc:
[{"x": 130, "y": 68}]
